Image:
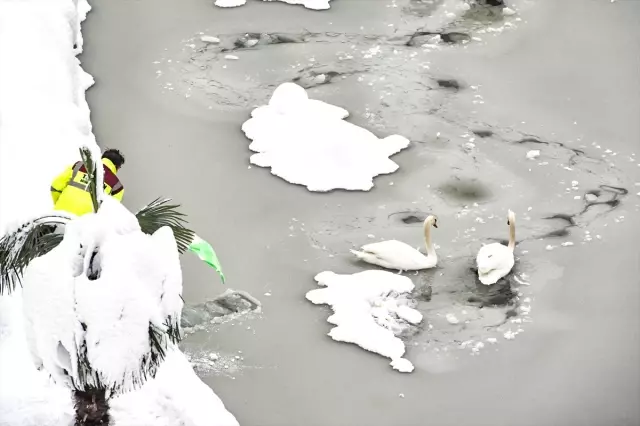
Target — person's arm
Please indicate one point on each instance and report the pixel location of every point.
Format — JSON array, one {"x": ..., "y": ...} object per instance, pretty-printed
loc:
[
  {"x": 118, "y": 196},
  {"x": 60, "y": 183}
]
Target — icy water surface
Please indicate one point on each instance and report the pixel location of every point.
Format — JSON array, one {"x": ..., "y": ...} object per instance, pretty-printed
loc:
[
  {"x": 504, "y": 111},
  {"x": 470, "y": 171}
]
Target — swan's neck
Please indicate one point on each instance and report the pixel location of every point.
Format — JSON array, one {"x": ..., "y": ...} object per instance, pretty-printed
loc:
[
  {"x": 512, "y": 234},
  {"x": 427, "y": 240}
]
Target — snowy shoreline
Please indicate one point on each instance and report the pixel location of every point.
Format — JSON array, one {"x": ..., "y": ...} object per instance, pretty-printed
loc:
[{"x": 45, "y": 118}]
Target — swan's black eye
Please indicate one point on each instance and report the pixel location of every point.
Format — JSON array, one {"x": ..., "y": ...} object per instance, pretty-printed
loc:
[{"x": 508, "y": 223}]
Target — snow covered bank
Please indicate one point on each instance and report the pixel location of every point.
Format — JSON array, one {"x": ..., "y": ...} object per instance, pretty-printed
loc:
[
  {"x": 370, "y": 309},
  {"x": 44, "y": 119},
  {"x": 307, "y": 142},
  {"x": 309, "y": 4}
]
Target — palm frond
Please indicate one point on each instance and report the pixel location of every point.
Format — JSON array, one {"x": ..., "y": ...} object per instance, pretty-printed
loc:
[
  {"x": 91, "y": 166},
  {"x": 159, "y": 213},
  {"x": 18, "y": 248}
]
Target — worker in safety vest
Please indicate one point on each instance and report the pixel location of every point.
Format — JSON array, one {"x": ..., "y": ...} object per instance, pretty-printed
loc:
[{"x": 70, "y": 190}]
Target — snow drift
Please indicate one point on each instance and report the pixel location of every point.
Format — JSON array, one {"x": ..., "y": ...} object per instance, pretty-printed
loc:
[
  {"x": 44, "y": 120},
  {"x": 307, "y": 142}
]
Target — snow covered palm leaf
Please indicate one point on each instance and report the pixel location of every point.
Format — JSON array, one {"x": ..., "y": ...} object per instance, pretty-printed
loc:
[
  {"x": 158, "y": 214},
  {"x": 34, "y": 239},
  {"x": 20, "y": 247},
  {"x": 103, "y": 307}
]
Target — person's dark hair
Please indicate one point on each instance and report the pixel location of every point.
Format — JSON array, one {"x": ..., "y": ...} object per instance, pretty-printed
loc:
[{"x": 115, "y": 156}]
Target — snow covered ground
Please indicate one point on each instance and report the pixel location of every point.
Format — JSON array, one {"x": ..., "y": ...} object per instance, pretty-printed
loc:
[
  {"x": 370, "y": 310},
  {"x": 44, "y": 119},
  {"x": 307, "y": 142},
  {"x": 309, "y": 4}
]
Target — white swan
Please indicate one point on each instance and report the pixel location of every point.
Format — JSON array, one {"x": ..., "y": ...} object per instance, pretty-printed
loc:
[
  {"x": 393, "y": 254},
  {"x": 496, "y": 260}
]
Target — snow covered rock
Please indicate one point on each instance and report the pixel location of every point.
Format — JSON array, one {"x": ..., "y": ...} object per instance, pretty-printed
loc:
[
  {"x": 370, "y": 310},
  {"x": 307, "y": 142}
]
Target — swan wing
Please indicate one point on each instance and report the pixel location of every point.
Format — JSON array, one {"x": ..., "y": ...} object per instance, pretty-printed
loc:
[
  {"x": 396, "y": 255},
  {"x": 494, "y": 261}
]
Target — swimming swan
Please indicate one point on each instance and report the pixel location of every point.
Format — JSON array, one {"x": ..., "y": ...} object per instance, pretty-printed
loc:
[
  {"x": 393, "y": 254},
  {"x": 496, "y": 260}
]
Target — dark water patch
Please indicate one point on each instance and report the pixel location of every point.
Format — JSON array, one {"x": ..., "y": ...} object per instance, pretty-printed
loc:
[
  {"x": 449, "y": 83},
  {"x": 615, "y": 194},
  {"x": 410, "y": 217},
  {"x": 499, "y": 294},
  {"x": 558, "y": 233},
  {"x": 567, "y": 218},
  {"x": 483, "y": 133},
  {"x": 534, "y": 140},
  {"x": 464, "y": 189},
  {"x": 254, "y": 40},
  {"x": 454, "y": 37}
]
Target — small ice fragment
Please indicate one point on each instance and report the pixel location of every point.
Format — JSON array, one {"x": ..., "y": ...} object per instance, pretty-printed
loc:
[
  {"x": 267, "y": 294},
  {"x": 401, "y": 395},
  {"x": 533, "y": 154},
  {"x": 409, "y": 314},
  {"x": 550, "y": 247},
  {"x": 210, "y": 39},
  {"x": 510, "y": 335},
  {"x": 231, "y": 57},
  {"x": 492, "y": 340},
  {"x": 252, "y": 42},
  {"x": 371, "y": 236},
  {"x": 507, "y": 11},
  {"x": 213, "y": 356},
  {"x": 566, "y": 244},
  {"x": 574, "y": 183},
  {"x": 452, "y": 319},
  {"x": 320, "y": 78},
  {"x": 403, "y": 365}
]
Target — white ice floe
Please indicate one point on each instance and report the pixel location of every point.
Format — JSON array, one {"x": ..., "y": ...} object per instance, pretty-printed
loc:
[
  {"x": 307, "y": 142},
  {"x": 309, "y": 4},
  {"x": 370, "y": 310},
  {"x": 45, "y": 119},
  {"x": 210, "y": 39},
  {"x": 229, "y": 3}
]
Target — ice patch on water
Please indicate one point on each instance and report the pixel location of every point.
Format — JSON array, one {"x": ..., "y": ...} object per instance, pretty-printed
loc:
[
  {"x": 369, "y": 311},
  {"x": 229, "y": 3},
  {"x": 216, "y": 363},
  {"x": 307, "y": 142},
  {"x": 309, "y": 4}
]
